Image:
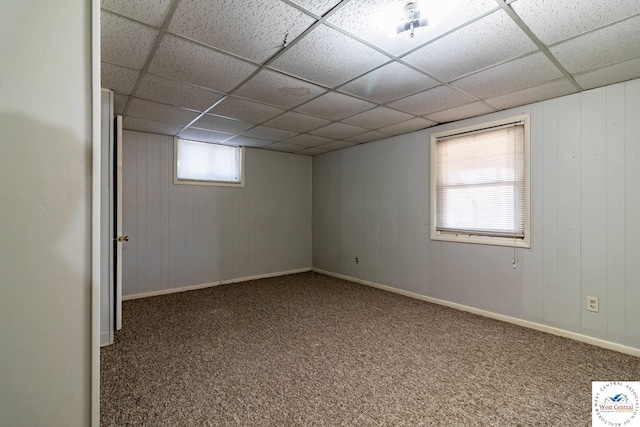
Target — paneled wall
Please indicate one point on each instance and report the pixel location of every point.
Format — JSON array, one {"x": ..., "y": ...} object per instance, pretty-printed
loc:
[
  {"x": 372, "y": 201},
  {"x": 183, "y": 235},
  {"x": 45, "y": 213}
]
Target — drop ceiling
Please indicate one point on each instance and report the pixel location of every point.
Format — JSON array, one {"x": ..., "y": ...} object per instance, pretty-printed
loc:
[{"x": 312, "y": 76}]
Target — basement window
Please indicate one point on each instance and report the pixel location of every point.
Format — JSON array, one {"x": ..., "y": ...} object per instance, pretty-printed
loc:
[
  {"x": 202, "y": 163},
  {"x": 480, "y": 184}
]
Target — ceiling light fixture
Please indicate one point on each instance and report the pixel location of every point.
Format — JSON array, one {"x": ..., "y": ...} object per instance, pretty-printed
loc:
[
  {"x": 395, "y": 18},
  {"x": 413, "y": 16}
]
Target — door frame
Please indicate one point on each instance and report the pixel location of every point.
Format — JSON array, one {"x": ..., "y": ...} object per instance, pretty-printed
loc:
[
  {"x": 116, "y": 183},
  {"x": 107, "y": 219},
  {"x": 94, "y": 377}
]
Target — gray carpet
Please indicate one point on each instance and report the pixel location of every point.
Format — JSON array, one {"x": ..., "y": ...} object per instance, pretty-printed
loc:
[{"x": 312, "y": 350}]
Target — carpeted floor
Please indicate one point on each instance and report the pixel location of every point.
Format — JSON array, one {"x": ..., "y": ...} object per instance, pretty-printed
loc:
[{"x": 312, "y": 350}]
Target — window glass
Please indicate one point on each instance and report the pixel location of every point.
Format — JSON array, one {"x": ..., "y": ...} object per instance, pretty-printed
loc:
[
  {"x": 479, "y": 184},
  {"x": 207, "y": 164}
]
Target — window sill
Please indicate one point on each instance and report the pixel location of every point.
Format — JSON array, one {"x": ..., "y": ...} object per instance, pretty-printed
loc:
[
  {"x": 209, "y": 183},
  {"x": 483, "y": 240}
]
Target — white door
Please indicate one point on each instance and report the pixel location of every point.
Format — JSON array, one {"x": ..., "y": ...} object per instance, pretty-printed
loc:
[{"x": 110, "y": 221}]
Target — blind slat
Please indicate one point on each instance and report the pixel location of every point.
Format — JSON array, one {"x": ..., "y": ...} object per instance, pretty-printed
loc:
[{"x": 201, "y": 161}]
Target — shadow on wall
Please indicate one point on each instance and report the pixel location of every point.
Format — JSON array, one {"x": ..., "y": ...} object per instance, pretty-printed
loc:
[{"x": 45, "y": 286}]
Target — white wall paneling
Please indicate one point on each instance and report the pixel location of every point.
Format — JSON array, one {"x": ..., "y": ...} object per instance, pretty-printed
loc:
[
  {"x": 569, "y": 297},
  {"x": 632, "y": 210},
  {"x": 549, "y": 221},
  {"x": 46, "y": 292},
  {"x": 615, "y": 214},
  {"x": 593, "y": 208},
  {"x": 372, "y": 200},
  {"x": 533, "y": 284},
  {"x": 182, "y": 235}
]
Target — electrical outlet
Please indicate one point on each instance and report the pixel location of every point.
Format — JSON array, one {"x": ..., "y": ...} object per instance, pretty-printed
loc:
[
  {"x": 356, "y": 260},
  {"x": 593, "y": 304}
]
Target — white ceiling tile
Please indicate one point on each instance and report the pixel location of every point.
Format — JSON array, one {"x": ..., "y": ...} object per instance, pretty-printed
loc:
[
  {"x": 553, "y": 21},
  {"x": 470, "y": 110},
  {"x": 185, "y": 61},
  {"x": 389, "y": 82},
  {"x": 328, "y": 57},
  {"x": 152, "y": 12},
  {"x": 307, "y": 140},
  {"x": 598, "y": 42},
  {"x": 533, "y": 94},
  {"x": 363, "y": 19},
  {"x": 335, "y": 106},
  {"x": 245, "y": 110},
  {"x": 222, "y": 124},
  {"x": 431, "y": 100},
  {"x": 284, "y": 147},
  {"x": 159, "y": 112},
  {"x": 175, "y": 93},
  {"x": 278, "y": 89},
  {"x": 125, "y": 42},
  {"x": 317, "y": 7},
  {"x": 239, "y": 27},
  {"x": 142, "y": 125},
  {"x": 377, "y": 117},
  {"x": 228, "y": 143},
  {"x": 338, "y": 131},
  {"x": 600, "y": 48},
  {"x": 490, "y": 40},
  {"x": 337, "y": 145},
  {"x": 311, "y": 151},
  {"x": 532, "y": 70},
  {"x": 247, "y": 141},
  {"x": 119, "y": 79},
  {"x": 408, "y": 126},
  {"x": 204, "y": 135},
  {"x": 119, "y": 102},
  {"x": 265, "y": 132},
  {"x": 616, "y": 73},
  {"x": 373, "y": 135},
  {"x": 297, "y": 122}
]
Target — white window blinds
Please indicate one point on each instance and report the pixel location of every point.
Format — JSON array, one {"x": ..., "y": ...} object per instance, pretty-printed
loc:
[
  {"x": 480, "y": 182},
  {"x": 201, "y": 161}
]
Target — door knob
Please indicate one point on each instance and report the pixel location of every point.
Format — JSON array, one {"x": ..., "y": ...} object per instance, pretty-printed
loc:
[{"x": 122, "y": 239}]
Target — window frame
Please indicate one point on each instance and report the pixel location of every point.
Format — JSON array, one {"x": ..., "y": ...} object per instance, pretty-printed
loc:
[
  {"x": 524, "y": 242},
  {"x": 214, "y": 183}
]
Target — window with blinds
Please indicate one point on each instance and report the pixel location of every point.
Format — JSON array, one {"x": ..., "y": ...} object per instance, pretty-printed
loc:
[
  {"x": 479, "y": 184},
  {"x": 201, "y": 163}
]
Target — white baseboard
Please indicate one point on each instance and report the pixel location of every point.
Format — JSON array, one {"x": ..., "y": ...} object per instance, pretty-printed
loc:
[
  {"x": 516, "y": 321},
  {"x": 209, "y": 285},
  {"x": 264, "y": 276},
  {"x": 169, "y": 291}
]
